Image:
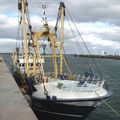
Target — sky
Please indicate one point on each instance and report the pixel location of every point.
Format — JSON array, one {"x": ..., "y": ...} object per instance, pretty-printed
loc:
[{"x": 98, "y": 21}]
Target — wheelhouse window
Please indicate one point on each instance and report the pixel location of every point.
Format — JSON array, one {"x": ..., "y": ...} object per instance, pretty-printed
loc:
[
  {"x": 22, "y": 64},
  {"x": 19, "y": 65},
  {"x": 31, "y": 64}
]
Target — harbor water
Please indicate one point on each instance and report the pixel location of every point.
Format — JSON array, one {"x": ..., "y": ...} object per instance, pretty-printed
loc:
[{"x": 110, "y": 70}]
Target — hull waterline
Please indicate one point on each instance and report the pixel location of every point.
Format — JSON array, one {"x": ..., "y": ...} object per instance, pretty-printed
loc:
[{"x": 67, "y": 110}]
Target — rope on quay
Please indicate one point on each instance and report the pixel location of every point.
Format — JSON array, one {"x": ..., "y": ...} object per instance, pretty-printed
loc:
[{"x": 109, "y": 106}]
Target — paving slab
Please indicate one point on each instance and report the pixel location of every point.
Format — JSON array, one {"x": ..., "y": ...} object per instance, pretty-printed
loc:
[{"x": 13, "y": 105}]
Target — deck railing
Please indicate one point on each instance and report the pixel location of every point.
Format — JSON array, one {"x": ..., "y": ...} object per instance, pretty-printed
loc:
[
  {"x": 86, "y": 84},
  {"x": 83, "y": 83}
]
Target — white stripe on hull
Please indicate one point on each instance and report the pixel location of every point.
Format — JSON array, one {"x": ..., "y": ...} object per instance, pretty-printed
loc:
[{"x": 84, "y": 103}]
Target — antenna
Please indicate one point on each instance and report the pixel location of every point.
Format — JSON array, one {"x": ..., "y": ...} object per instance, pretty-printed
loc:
[{"x": 43, "y": 4}]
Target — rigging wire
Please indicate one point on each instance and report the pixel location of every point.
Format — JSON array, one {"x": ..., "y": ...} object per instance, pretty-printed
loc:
[
  {"x": 108, "y": 105},
  {"x": 68, "y": 66},
  {"x": 64, "y": 56},
  {"x": 78, "y": 46},
  {"x": 28, "y": 17},
  {"x": 80, "y": 49},
  {"x": 28, "y": 24},
  {"x": 39, "y": 68},
  {"x": 18, "y": 30},
  {"x": 84, "y": 43}
]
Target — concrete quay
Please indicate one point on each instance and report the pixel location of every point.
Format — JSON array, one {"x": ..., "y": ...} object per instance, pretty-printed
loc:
[{"x": 13, "y": 105}]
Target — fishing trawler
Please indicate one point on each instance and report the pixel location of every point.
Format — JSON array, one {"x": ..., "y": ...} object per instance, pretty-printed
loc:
[{"x": 57, "y": 94}]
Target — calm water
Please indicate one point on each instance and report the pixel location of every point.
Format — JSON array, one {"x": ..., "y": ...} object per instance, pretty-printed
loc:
[{"x": 110, "y": 69}]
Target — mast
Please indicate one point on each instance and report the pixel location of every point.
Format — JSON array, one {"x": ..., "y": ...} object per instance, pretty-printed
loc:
[
  {"x": 35, "y": 56},
  {"x": 25, "y": 37},
  {"x": 51, "y": 38},
  {"x": 62, "y": 14},
  {"x": 52, "y": 42}
]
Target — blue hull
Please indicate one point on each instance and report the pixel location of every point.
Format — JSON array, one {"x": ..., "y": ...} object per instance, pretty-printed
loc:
[{"x": 48, "y": 109}]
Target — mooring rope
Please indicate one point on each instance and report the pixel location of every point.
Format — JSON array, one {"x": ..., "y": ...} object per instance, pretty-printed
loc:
[{"x": 107, "y": 104}]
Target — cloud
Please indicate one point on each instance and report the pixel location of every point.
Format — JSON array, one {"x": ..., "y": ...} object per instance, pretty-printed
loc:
[
  {"x": 98, "y": 21},
  {"x": 7, "y": 45},
  {"x": 83, "y": 11},
  {"x": 111, "y": 34},
  {"x": 8, "y": 6},
  {"x": 8, "y": 26},
  {"x": 96, "y": 11}
]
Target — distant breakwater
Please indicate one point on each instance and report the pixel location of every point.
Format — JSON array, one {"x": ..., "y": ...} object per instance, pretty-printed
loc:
[{"x": 115, "y": 57}]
